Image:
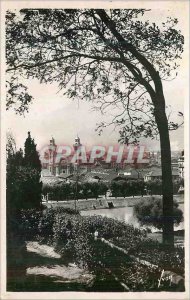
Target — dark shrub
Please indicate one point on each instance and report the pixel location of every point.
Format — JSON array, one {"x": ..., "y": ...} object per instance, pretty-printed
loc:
[{"x": 150, "y": 212}]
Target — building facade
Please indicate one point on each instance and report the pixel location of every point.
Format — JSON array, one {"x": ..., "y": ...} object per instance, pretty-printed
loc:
[
  {"x": 181, "y": 165},
  {"x": 62, "y": 166}
]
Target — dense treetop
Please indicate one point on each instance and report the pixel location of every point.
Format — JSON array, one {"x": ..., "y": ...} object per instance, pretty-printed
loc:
[{"x": 112, "y": 57}]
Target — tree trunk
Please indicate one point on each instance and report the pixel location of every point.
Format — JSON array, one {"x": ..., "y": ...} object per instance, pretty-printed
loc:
[{"x": 167, "y": 185}]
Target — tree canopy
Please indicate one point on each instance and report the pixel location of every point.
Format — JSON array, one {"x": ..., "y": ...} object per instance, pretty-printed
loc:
[
  {"x": 114, "y": 57},
  {"x": 23, "y": 177}
]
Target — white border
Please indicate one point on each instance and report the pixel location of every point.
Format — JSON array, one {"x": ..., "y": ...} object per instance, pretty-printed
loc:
[{"x": 183, "y": 7}]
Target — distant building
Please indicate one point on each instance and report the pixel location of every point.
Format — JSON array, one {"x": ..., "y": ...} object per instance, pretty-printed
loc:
[
  {"x": 156, "y": 174},
  {"x": 181, "y": 165},
  {"x": 132, "y": 173},
  {"x": 100, "y": 175},
  {"x": 62, "y": 167},
  {"x": 174, "y": 161}
]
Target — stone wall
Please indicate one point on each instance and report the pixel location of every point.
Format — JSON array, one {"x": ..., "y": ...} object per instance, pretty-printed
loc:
[{"x": 89, "y": 204}]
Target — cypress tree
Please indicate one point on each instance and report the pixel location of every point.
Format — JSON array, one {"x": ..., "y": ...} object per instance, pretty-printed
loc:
[
  {"x": 23, "y": 191},
  {"x": 31, "y": 156},
  {"x": 32, "y": 186}
]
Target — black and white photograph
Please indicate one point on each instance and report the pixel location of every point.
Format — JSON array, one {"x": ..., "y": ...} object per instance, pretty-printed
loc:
[{"x": 95, "y": 150}]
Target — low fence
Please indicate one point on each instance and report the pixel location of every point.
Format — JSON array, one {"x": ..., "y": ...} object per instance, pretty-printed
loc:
[{"x": 89, "y": 204}]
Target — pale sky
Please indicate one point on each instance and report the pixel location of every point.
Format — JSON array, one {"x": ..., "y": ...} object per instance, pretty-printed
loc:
[{"x": 52, "y": 114}]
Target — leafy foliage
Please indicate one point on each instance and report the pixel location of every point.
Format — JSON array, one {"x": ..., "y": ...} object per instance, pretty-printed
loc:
[
  {"x": 65, "y": 191},
  {"x": 110, "y": 58},
  {"x": 155, "y": 186},
  {"x": 23, "y": 191},
  {"x": 150, "y": 212},
  {"x": 17, "y": 96},
  {"x": 23, "y": 177},
  {"x": 123, "y": 188},
  {"x": 120, "y": 188},
  {"x": 114, "y": 58},
  {"x": 31, "y": 156},
  {"x": 29, "y": 223},
  {"x": 77, "y": 240}
]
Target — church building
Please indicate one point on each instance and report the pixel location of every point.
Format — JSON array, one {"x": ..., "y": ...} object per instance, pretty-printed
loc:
[{"x": 63, "y": 166}]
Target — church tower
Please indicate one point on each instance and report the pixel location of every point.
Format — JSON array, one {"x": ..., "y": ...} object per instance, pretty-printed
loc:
[
  {"x": 52, "y": 155},
  {"x": 77, "y": 144}
]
